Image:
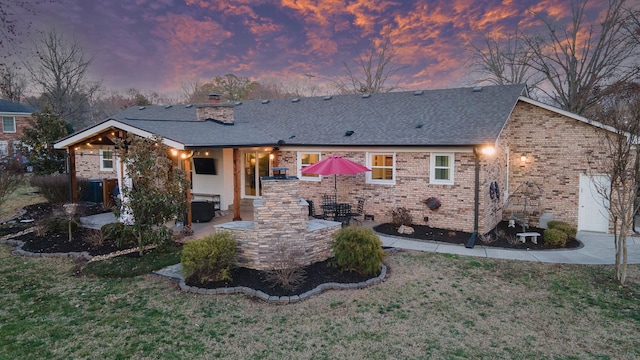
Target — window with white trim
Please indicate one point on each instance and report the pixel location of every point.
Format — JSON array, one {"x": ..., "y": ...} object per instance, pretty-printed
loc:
[
  {"x": 8, "y": 124},
  {"x": 383, "y": 168},
  {"x": 106, "y": 160},
  {"x": 306, "y": 159},
  {"x": 441, "y": 169},
  {"x": 4, "y": 148}
]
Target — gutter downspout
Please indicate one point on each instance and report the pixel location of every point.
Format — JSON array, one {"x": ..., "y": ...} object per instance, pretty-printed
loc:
[{"x": 471, "y": 242}]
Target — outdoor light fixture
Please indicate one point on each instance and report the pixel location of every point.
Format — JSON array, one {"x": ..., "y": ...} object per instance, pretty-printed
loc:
[
  {"x": 488, "y": 150},
  {"x": 485, "y": 150},
  {"x": 523, "y": 158}
]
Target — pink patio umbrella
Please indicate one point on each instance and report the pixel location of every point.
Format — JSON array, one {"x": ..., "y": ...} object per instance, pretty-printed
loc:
[{"x": 335, "y": 165}]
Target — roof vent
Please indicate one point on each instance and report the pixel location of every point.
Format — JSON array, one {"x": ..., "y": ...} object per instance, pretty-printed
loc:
[
  {"x": 418, "y": 92},
  {"x": 292, "y": 136},
  {"x": 477, "y": 89},
  {"x": 349, "y": 133},
  {"x": 142, "y": 107},
  {"x": 265, "y": 101},
  {"x": 188, "y": 106},
  {"x": 168, "y": 106},
  {"x": 366, "y": 96},
  {"x": 419, "y": 126},
  {"x": 295, "y": 100},
  {"x": 328, "y": 97},
  {"x": 237, "y": 103}
]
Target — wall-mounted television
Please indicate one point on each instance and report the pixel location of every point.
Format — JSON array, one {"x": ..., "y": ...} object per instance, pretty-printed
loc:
[{"x": 205, "y": 166}]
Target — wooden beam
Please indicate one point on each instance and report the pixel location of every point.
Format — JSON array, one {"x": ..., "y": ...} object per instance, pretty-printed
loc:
[
  {"x": 187, "y": 170},
  {"x": 236, "y": 185},
  {"x": 72, "y": 174}
]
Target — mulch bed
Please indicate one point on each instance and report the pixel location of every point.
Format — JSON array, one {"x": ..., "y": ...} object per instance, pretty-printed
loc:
[
  {"x": 427, "y": 233},
  {"x": 81, "y": 240},
  {"x": 315, "y": 274}
]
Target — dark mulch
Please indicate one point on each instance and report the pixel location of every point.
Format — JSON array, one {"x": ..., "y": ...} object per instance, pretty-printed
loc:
[
  {"x": 315, "y": 274},
  {"x": 423, "y": 232},
  {"x": 82, "y": 240}
]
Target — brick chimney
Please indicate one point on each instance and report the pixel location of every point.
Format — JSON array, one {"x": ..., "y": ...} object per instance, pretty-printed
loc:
[
  {"x": 215, "y": 111},
  {"x": 214, "y": 98}
]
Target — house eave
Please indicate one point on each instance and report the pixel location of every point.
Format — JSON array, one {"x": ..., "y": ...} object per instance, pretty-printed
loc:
[{"x": 80, "y": 136}]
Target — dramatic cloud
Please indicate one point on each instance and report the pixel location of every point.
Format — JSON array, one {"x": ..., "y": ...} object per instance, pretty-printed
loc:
[{"x": 156, "y": 44}]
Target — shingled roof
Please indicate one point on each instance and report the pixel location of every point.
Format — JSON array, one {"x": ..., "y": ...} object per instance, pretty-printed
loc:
[
  {"x": 7, "y": 106},
  {"x": 448, "y": 117}
]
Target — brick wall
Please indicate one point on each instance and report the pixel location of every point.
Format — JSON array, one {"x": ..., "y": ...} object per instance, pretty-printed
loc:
[
  {"x": 557, "y": 149},
  {"x": 21, "y": 123},
  {"x": 88, "y": 163},
  {"x": 412, "y": 186}
]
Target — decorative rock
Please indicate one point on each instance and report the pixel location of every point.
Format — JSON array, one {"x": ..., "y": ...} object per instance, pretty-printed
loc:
[{"x": 403, "y": 229}]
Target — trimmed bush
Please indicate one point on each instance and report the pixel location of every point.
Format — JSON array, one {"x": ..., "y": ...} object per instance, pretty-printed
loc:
[
  {"x": 555, "y": 237},
  {"x": 564, "y": 227},
  {"x": 401, "y": 216},
  {"x": 211, "y": 258},
  {"x": 358, "y": 249}
]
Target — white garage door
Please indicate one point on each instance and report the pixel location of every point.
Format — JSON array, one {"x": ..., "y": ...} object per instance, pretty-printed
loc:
[{"x": 593, "y": 213}]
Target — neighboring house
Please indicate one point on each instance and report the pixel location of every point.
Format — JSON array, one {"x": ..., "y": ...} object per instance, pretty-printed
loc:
[
  {"x": 418, "y": 144},
  {"x": 15, "y": 117}
]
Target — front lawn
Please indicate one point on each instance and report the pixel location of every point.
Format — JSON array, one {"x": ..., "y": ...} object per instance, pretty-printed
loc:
[{"x": 430, "y": 306}]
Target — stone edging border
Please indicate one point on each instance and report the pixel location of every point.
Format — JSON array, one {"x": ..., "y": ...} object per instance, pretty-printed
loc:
[
  {"x": 282, "y": 300},
  {"x": 8, "y": 240}
]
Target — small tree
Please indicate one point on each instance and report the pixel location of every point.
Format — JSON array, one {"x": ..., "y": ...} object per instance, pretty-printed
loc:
[
  {"x": 619, "y": 108},
  {"x": 158, "y": 191},
  {"x": 37, "y": 142},
  {"x": 10, "y": 177}
]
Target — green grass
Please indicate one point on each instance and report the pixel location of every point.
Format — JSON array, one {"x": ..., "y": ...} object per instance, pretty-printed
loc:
[
  {"x": 431, "y": 306},
  {"x": 122, "y": 266}
]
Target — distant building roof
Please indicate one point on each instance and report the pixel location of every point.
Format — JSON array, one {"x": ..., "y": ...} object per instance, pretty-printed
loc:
[{"x": 7, "y": 106}]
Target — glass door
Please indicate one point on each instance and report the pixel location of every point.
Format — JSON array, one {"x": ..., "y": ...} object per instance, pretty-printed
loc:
[{"x": 256, "y": 165}]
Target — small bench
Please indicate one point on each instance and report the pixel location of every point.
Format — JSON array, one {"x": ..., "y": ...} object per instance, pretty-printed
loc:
[{"x": 522, "y": 237}]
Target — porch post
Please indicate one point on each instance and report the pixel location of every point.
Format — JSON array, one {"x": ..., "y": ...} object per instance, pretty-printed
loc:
[
  {"x": 236, "y": 185},
  {"x": 73, "y": 179},
  {"x": 187, "y": 170}
]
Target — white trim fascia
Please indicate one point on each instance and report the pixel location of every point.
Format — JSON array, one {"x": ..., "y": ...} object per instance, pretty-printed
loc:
[
  {"x": 88, "y": 133},
  {"x": 379, "y": 149},
  {"x": 14, "y": 114},
  {"x": 570, "y": 115}
]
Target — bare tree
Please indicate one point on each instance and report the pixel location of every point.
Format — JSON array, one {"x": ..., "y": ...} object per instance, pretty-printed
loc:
[
  {"x": 580, "y": 57},
  {"x": 372, "y": 70},
  {"x": 505, "y": 61},
  {"x": 619, "y": 108},
  {"x": 13, "y": 25},
  {"x": 13, "y": 83},
  {"x": 60, "y": 71}
]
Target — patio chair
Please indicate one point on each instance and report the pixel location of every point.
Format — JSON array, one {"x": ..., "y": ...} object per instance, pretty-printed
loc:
[
  {"x": 343, "y": 214},
  {"x": 329, "y": 200},
  {"x": 312, "y": 211},
  {"x": 359, "y": 211}
]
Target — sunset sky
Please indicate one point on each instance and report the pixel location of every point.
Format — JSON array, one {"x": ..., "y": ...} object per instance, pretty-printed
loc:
[{"x": 157, "y": 44}]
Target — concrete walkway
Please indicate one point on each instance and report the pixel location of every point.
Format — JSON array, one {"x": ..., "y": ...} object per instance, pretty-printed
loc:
[{"x": 598, "y": 249}]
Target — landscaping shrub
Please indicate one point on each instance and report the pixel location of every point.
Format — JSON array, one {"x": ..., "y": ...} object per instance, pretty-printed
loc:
[
  {"x": 564, "y": 227},
  {"x": 56, "y": 224},
  {"x": 401, "y": 216},
  {"x": 555, "y": 237},
  {"x": 55, "y": 187},
  {"x": 358, "y": 249},
  {"x": 211, "y": 258},
  {"x": 118, "y": 232}
]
